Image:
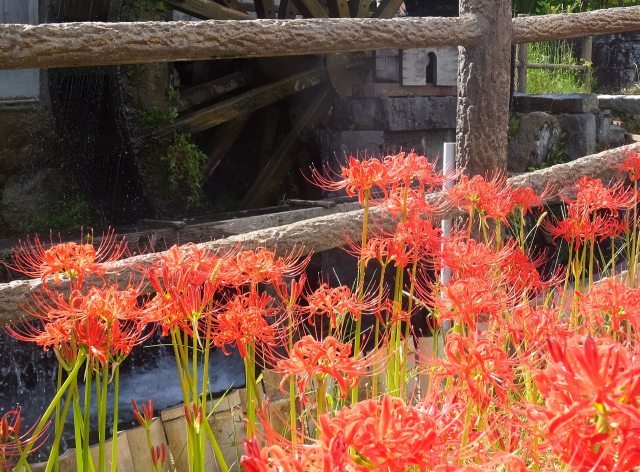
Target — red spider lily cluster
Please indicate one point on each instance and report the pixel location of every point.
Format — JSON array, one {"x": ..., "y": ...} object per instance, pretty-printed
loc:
[{"x": 526, "y": 367}]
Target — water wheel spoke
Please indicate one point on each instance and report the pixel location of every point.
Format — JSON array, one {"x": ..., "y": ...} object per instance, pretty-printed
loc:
[
  {"x": 311, "y": 8},
  {"x": 266, "y": 9},
  {"x": 207, "y": 10},
  {"x": 198, "y": 94},
  {"x": 339, "y": 8},
  {"x": 220, "y": 144},
  {"x": 281, "y": 161},
  {"x": 387, "y": 8},
  {"x": 359, "y": 8},
  {"x": 240, "y": 105}
]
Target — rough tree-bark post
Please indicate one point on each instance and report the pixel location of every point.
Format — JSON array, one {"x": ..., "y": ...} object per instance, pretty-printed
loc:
[{"x": 483, "y": 89}]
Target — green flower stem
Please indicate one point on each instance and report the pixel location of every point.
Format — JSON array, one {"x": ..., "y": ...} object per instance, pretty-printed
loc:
[
  {"x": 50, "y": 410},
  {"x": 52, "y": 463},
  {"x": 116, "y": 399},
  {"x": 360, "y": 291},
  {"x": 87, "y": 415}
]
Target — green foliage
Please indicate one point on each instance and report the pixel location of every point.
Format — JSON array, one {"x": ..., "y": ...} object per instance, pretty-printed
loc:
[
  {"x": 173, "y": 94},
  {"x": 514, "y": 126},
  {"x": 185, "y": 162},
  {"x": 557, "y": 155},
  {"x": 74, "y": 211},
  {"x": 151, "y": 5},
  {"x": 159, "y": 117},
  {"x": 554, "y": 80}
]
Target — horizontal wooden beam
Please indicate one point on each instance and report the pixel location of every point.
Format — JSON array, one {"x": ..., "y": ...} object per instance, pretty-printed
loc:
[
  {"x": 96, "y": 44},
  {"x": 325, "y": 232},
  {"x": 529, "y": 29},
  {"x": 549, "y": 66},
  {"x": 207, "y": 10},
  {"x": 242, "y": 104},
  {"x": 201, "y": 93}
]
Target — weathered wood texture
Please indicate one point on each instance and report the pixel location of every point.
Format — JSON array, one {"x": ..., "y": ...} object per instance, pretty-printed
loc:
[
  {"x": 329, "y": 231},
  {"x": 207, "y": 10},
  {"x": 92, "y": 44},
  {"x": 545, "y": 27},
  {"x": 484, "y": 75}
]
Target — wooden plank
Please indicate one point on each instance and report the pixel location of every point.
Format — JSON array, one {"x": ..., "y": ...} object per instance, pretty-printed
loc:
[
  {"x": 273, "y": 172},
  {"x": 221, "y": 143},
  {"x": 199, "y": 94},
  {"x": 244, "y": 104},
  {"x": 549, "y": 66},
  {"x": 311, "y": 8},
  {"x": 387, "y": 8},
  {"x": 398, "y": 90},
  {"x": 339, "y": 8},
  {"x": 266, "y": 9},
  {"x": 521, "y": 64},
  {"x": 359, "y": 8},
  {"x": 207, "y": 10}
]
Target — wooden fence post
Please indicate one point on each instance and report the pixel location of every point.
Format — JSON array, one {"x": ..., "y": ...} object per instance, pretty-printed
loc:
[
  {"x": 586, "y": 46},
  {"x": 522, "y": 58},
  {"x": 483, "y": 89}
]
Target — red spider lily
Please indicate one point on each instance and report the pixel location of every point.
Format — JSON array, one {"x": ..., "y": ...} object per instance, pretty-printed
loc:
[
  {"x": 492, "y": 198},
  {"x": 418, "y": 239},
  {"x": 98, "y": 320},
  {"x": 146, "y": 417},
  {"x": 611, "y": 303},
  {"x": 410, "y": 202},
  {"x": 311, "y": 359},
  {"x": 409, "y": 168},
  {"x": 36, "y": 260},
  {"x": 159, "y": 456},
  {"x": 525, "y": 198},
  {"x": 579, "y": 227},
  {"x": 470, "y": 258},
  {"x": 480, "y": 367},
  {"x": 535, "y": 324},
  {"x": 185, "y": 281},
  {"x": 631, "y": 165},
  {"x": 335, "y": 303},
  {"x": 383, "y": 434},
  {"x": 244, "y": 320},
  {"x": 592, "y": 195},
  {"x": 269, "y": 459},
  {"x": 13, "y": 441},
  {"x": 520, "y": 272},
  {"x": 592, "y": 392},
  {"x": 358, "y": 177},
  {"x": 468, "y": 301},
  {"x": 262, "y": 266}
]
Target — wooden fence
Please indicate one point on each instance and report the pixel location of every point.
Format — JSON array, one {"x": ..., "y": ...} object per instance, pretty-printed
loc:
[
  {"x": 484, "y": 29},
  {"x": 584, "y": 65}
]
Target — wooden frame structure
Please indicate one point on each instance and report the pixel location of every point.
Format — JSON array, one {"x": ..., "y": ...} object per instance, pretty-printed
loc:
[{"x": 484, "y": 30}]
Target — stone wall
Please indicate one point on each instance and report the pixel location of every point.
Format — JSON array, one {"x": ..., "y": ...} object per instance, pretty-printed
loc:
[
  {"x": 617, "y": 60},
  {"x": 554, "y": 128}
]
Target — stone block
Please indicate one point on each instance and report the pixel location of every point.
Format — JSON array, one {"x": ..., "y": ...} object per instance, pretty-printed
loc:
[
  {"x": 532, "y": 138},
  {"x": 336, "y": 145},
  {"x": 580, "y": 134},
  {"x": 622, "y": 103},
  {"x": 417, "y": 113},
  {"x": 425, "y": 142},
  {"x": 555, "y": 103}
]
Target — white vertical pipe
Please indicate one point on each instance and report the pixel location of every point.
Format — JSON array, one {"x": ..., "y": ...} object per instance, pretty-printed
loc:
[{"x": 448, "y": 171}]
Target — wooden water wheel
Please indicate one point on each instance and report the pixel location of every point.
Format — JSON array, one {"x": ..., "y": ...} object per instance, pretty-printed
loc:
[{"x": 272, "y": 101}]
